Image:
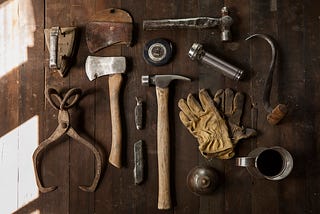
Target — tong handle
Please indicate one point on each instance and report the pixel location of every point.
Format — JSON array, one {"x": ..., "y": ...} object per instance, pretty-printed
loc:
[{"x": 63, "y": 102}]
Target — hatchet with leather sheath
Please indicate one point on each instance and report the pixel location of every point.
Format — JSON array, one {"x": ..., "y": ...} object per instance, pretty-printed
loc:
[{"x": 108, "y": 27}]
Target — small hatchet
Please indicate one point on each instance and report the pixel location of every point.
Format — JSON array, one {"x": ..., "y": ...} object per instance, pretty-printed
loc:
[{"x": 113, "y": 66}]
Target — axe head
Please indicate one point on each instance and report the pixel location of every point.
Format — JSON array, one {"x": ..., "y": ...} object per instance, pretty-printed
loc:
[
  {"x": 109, "y": 27},
  {"x": 101, "y": 66}
]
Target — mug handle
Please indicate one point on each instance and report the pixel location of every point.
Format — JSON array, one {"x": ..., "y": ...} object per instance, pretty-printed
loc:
[{"x": 245, "y": 161}]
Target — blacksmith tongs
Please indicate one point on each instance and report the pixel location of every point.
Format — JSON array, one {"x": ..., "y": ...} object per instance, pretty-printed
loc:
[{"x": 64, "y": 127}]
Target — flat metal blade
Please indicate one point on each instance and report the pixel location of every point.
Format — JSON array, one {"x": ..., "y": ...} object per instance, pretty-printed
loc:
[
  {"x": 139, "y": 162},
  {"x": 101, "y": 66}
]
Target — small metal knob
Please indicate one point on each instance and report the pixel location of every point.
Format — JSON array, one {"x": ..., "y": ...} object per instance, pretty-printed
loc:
[
  {"x": 202, "y": 180},
  {"x": 195, "y": 51},
  {"x": 145, "y": 80}
]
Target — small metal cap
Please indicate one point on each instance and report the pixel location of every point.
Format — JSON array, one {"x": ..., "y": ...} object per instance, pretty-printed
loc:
[
  {"x": 239, "y": 75},
  {"x": 145, "y": 80},
  {"x": 226, "y": 35},
  {"x": 224, "y": 11},
  {"x": 202, "y": 180},
  {"x": 195, "y": 51}
]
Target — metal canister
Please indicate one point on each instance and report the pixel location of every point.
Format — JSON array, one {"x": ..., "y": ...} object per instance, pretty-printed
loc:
[
  {"x": 202, "y": 180},
  {"x": 197, "y": 52}
]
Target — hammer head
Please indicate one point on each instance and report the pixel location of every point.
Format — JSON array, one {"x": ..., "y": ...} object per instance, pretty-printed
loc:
[
  {"x": 101, "y": 66},
  {"x": 225, "y": 24},
  {"x": 161, "y": 81}
]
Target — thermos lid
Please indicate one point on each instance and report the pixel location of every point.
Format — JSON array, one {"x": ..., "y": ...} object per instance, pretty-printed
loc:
[{"x": 202, "y": 180}]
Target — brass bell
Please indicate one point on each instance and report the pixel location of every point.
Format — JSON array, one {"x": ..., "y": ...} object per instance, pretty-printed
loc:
[{"x": 202, "y": 180}]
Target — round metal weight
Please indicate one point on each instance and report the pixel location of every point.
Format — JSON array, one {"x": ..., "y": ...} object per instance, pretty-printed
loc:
[
  {"x": 157, "y": 52},
  {"x": 202, "y": 180}
]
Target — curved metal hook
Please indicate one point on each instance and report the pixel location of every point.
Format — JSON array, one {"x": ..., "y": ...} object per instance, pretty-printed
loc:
[
  {"x": 49, "y": 92},
  {"x": 37, "y": 153},
  {"x": 99, "y": 160},
  {"x": 36, "y": 163},
  {"x": 73, "y": 134},
  {"x": 63, "y": 102},
  {"x": 277, "y": 113},
  {"x": 76, "y": 92},
  {"x": 268, "y": 85},
  {"x": 62, "y": 129}
]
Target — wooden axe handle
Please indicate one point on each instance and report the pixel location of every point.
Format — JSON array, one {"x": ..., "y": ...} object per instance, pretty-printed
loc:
[
  {"x": 163, "y": 138},
  {"x": 115, "y": 81}
]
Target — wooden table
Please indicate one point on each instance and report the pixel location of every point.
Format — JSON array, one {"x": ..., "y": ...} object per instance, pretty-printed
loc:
[{"x": 294, "y": 24}]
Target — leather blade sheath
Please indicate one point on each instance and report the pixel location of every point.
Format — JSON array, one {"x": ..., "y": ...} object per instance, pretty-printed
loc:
[{"x": 109, "y": 27}]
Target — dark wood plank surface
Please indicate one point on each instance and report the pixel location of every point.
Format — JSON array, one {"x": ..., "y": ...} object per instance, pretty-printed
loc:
[
  {"x": 263, "y": 21},
  {"x": 294, "y": 24}
]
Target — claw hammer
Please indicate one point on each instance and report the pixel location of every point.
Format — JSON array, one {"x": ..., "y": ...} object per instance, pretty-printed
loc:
[
  {"x": 162, "y": 90},
  {"x": 224, "y": 22}
]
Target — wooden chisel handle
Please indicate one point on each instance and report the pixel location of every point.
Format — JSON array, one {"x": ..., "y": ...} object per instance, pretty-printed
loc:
[
  {"x": 115, "y": 81},
  {"x": 277, "y": 114},
  {"x": 163, "y": 138}
]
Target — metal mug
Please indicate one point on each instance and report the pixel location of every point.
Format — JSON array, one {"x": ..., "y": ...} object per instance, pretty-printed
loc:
[{"x": 274, "y": 163}]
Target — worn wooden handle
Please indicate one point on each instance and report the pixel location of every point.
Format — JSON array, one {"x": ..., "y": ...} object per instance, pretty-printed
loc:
[
  {"x": 116, "y": 146},
  {"x": 277, "y": 114},
  {"x": 163, "y": 138}
]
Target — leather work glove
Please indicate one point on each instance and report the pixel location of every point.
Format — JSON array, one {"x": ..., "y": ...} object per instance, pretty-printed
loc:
[
  {"x": 206, "y": 124},
  {"x": 231, "y": 105}
]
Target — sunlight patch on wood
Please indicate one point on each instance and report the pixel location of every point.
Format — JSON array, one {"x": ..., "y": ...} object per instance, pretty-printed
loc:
[
  {"x": 17, "y": 27},
  {"x": 17, "y": 180}
]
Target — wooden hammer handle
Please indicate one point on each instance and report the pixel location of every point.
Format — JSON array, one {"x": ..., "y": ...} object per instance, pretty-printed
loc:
[
  {"x": 115, "y": 81},
  {"x": 163, "y": 138}
]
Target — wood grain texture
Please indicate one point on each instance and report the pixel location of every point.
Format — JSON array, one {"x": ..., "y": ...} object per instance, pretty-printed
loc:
[
  {"x": 262, "y": 20},
  {"x": 163, "y": 149},
  {"x": 312, "y": 63},
  {"x": 82, "y": 161},
  {"x": 115, "y": 82},
  {"x": 293, "y": 90},
  {"x": 55, "y": 172},
  {"x": 183, "y": 146},
  {"x": 212, "y": 80},
  {"x": 294, "y": 24}
]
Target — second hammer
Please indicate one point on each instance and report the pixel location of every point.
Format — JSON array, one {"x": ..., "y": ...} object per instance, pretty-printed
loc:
[{"x": 162, "y": 89}]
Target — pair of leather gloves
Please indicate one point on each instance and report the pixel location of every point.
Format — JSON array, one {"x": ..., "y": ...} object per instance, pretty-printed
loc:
[{"x": 215, "y": 122}]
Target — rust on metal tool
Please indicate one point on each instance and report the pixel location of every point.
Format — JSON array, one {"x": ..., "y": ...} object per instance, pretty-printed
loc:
[
  {"x": 61, "y": 43},
  {"x": 224, "y": 22},
  {"x": 109, "y": 27},
  {"x": 138, "y": 170},
  {"x": 64, "y": 128},
  {"x": 138, "y": 114},
  {"x": 275, "y": 115}
]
